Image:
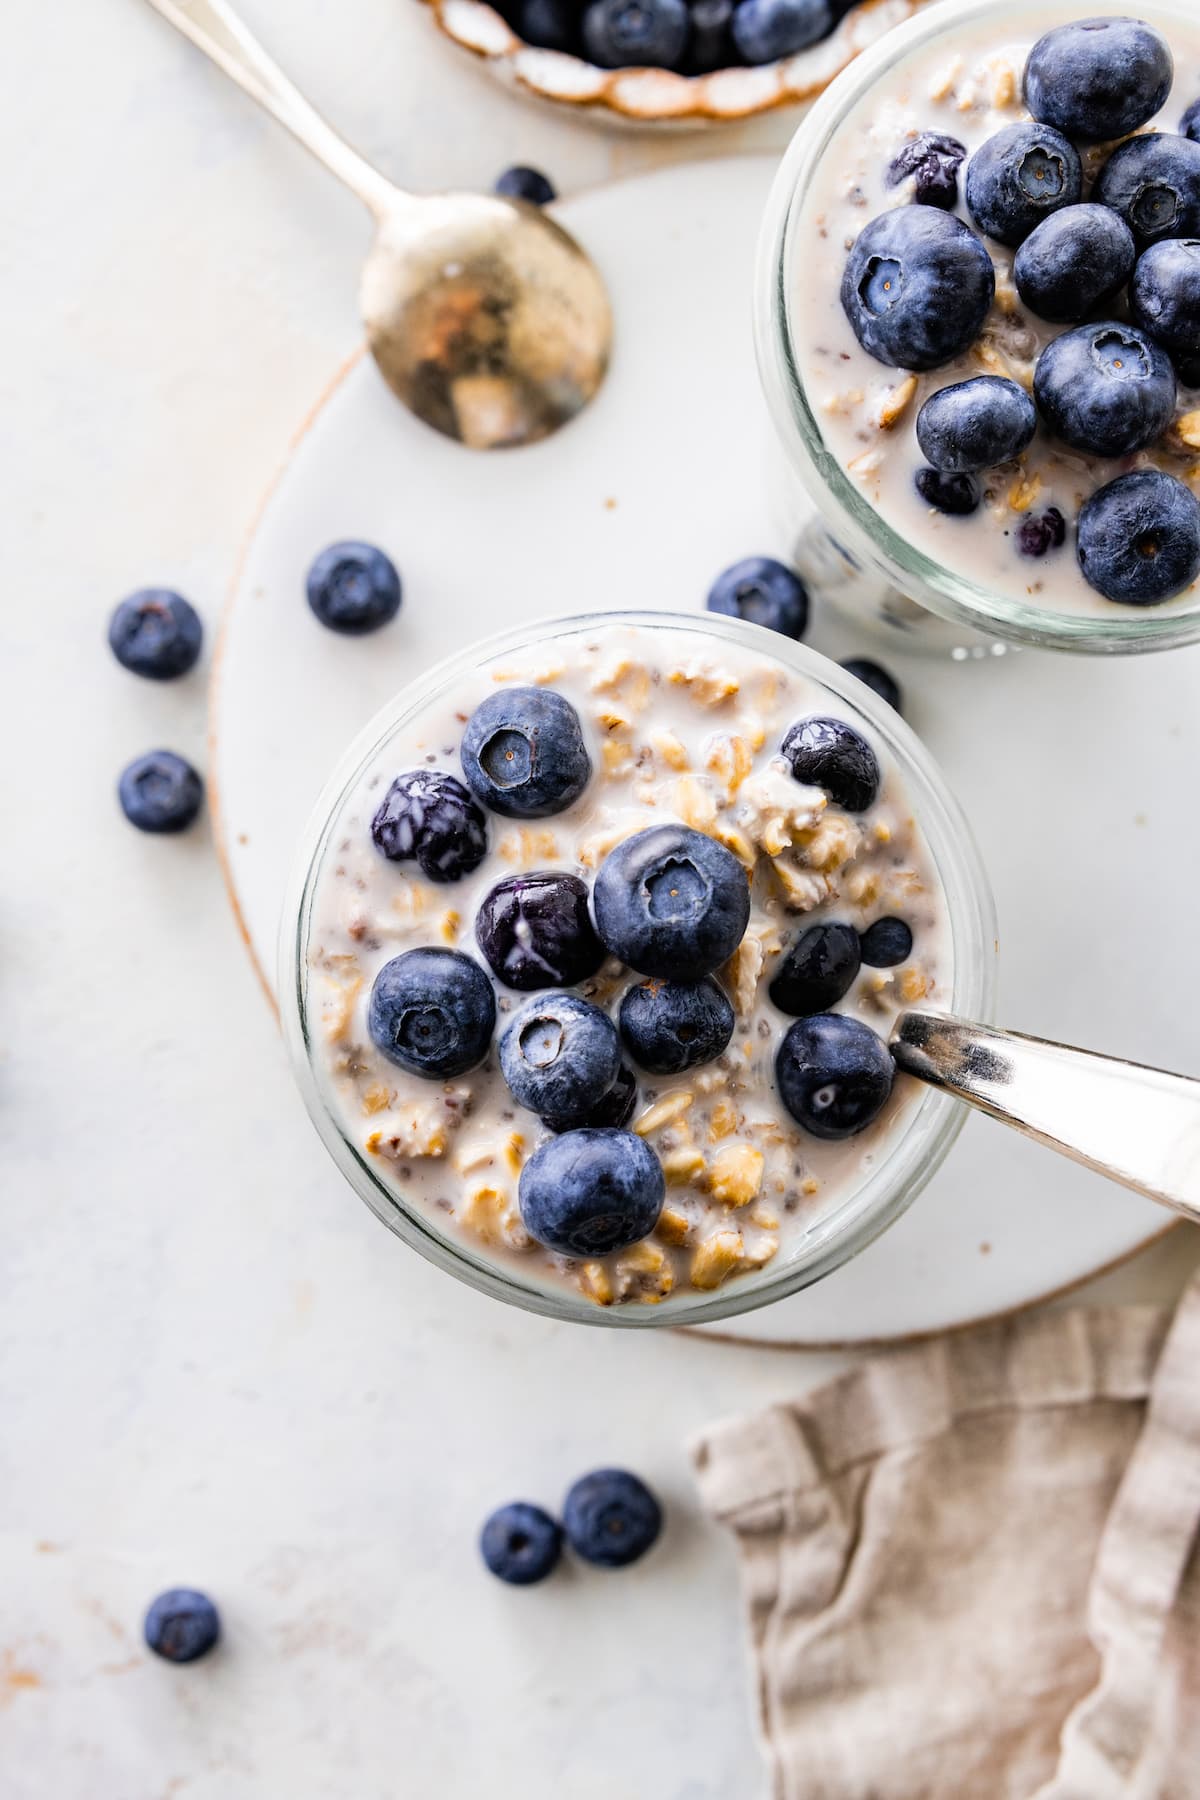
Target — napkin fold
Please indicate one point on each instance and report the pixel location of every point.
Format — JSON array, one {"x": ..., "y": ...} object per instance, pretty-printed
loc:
[{"x": 970, "y": 1568}]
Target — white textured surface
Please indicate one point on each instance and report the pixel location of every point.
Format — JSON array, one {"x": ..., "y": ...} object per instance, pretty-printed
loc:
[{"x": 212, "y": 1367}]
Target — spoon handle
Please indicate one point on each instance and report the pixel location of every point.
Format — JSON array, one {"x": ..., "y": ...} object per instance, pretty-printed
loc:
[
  {"x": 1139, "y": 1126},
  {"x": 215, "y": 28}
]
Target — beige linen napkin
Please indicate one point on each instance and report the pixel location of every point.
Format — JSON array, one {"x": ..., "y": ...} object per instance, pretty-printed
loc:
[{"x": 969, "y": 1565}]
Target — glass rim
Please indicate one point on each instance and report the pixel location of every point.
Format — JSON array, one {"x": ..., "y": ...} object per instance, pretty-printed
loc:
[
  {"x": 943, "y": 591},
  {"x": 876, "y": 1203}
]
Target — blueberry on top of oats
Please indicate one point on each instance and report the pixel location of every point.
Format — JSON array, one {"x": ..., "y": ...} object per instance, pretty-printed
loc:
[
  {"x": 1154, "y": 183},
  {"x": 886, "y": 943},
  {"x": 917, "y": 287},
  {"x": 669, "y": 1026},
  {"x": 536, "y": 931},
  {"x": 931, "y": 160},
  {"x": 829, "y": 754},
  {"x": 591, "y": 1192},
  {"x": 1097, "y": 79},
  {"x": 976, "y": 424},
  {"x": 1018, "y": 177},
  {"x": 523, "y": 753},
  {"x": 834, "y": 1074},
  {"x": 1106, "y": 389},
  {"x": 1139, "y": 538},
  {"x": 819, "y": 970},
  {"x": 1073, "y": 262},
  {"x": 433, "y": 1012},
  {"x": 613, "y": 1109},
  {"x": 1165, "y": 294},
  {"x": 429, "y": 818},
  {"x": 671, "y": 902},
  {"x": 560, "y": 1055}
]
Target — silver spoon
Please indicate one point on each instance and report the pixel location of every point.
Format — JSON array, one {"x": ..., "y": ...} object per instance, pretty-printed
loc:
[
  {"x": 486, "y": 318},
  {"x": 1139, "y": 1126}
]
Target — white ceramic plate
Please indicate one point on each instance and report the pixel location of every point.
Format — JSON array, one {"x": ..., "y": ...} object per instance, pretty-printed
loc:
[{"x": 1079, "y": 774}]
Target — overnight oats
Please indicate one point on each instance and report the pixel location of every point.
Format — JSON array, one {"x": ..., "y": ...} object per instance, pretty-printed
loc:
[
  {"x": 596, "y": 960},
  {"x": 986, "y": 320}
]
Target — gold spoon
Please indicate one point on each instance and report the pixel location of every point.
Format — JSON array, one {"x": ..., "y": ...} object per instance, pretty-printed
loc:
[{"x": 485, "y": 317}]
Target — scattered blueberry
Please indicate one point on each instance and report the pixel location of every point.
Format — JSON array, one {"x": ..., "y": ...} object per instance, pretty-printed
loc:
[
  {"x": 520, "y": 183},
  {"x": 523, "y": 753},
  {"x": 874, "y": 676},
  {"x": 765, "y": 30},
  {"x": 1106, "y": 389},
  {"x": 819, "y": 970},
  {"x": 428, "y": 817},
  {"x": 156, "y": 633},
  {"x": 931, "y": 161},
  {"x": 549, "y": 24},
  {"x": 611, "y": 1518},
  {"x": 160, "y": 792},
  {"x": 1073, "y": 262},
  {"x": 1020, "y": 176},
  {"x": 560, "y": 1055},
  {"x": 1098, "y": 79},
  {"x": 1189, "y": 125},
  {"x": 975, "y": 424},
  {"x": 834, "y": 1074},
  {"x": 432, "y": 1011},
  {"x": 669, "y": 1026},
  {"x": 536, "y": 931},
  {"x": 956, "y": 495},
  {"x": 1154, "y": 183},
  {"x": 1039, "y": 533},
  {"x": 181, "y": 1625},
  {"x": 520, "y": 1543},
  {"x": 1165, "y": 295},
  {"x": 917, "y": 287},
  {"x": 621, "y": 34},
  {"x": 353, "y": 588},
  {"x": 671, "y": 902},
  {"x": 616, "y": 1107},
  {"x": 710, "y": 45},
  {"x": 886, "y": 943},
  {"x": 829, "y": 754},
  {"x": 1139, "y": 538},
  {"x": 763, "y": 592},
  {"x": 590, "y": 1192}
]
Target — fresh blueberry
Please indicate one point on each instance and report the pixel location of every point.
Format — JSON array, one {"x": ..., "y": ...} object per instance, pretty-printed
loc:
[
  {"x": 520, "y": 1543},
  {"x": 520, "y": 183},
  {"x": 1165, "y": 295},
  {"x": 874, "y": 676},
  {"x": 611, "y": 1518},
  {"x": 523, "y": 753},
  {"x": 590, "y": 1192},
  {"x": 671, "y": 902},
  {"x": 614, "y": 1110},
  {"x": 1106, "y": 389},
  {"x": 819, "y": 970},
  {"x": 624, "y": 34},
  {"x": 710, "y": 45},
  {"x": 931, "y": 161},
  {"x": 549, "y": 24},
  {"x": 432, "y": 1011},
  {"x": 763, "y": 592},
  {"x": 181, "y": 1625},
  {"x": 917, "y": 287},
  {"x": 1020, "y": 176},
  {"x": 156, "y": 633},
  {"x": 1189, "y": 125},
  {"x": 428, "y": 817},
  {"x": 886, "y": 943},
  {"x": 560, "y": 1055},
  {"x": 536, "y": 931},
  {"x": 834, "y": 1074},
  {"x": 669, "y": 1026},
  {"x": 765, "y": 30},
  {"x": 1154, "y": 183},
  {"x": 829, "y": 754},
  {"x": 1039, "y": 533},
  {"x": 1073, "y": 262},
  {"x": 1098, "y": 79},
  {"x": 1139, "y": 538},
  {"x": 353, "y": 588},
  {"x": 957, "y": 495},
  {"x": 160, "y": 792},
  {"x": 976, "y": 424}
]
